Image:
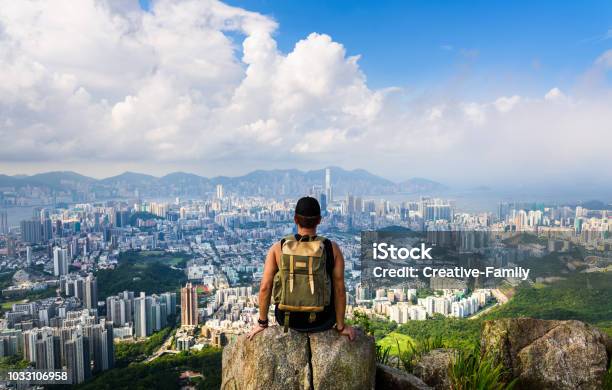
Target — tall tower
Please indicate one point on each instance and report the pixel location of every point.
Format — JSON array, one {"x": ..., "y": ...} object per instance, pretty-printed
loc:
[
  {"x": 77, "y": 357},
  {"x": 60, "y": 261},
  {"x": 328, "y": 185},
  {"x": 142, "y": 315},
  {"x": 189, "y": 305},
  {"x": 3, "y": 222},
  {"x": 219, "y": 191},
  {"x": 91, "y": 292}
]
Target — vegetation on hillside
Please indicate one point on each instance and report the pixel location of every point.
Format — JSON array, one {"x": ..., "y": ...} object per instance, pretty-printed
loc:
[
  {"x": 129, "y": 352},
  {"x": 152, "y": 273},
  {"x": 584, "y": 297},
  {"x": 6, "y": 279},
  {"x": 162, "y": 373},
  {"x": 6, "y": 303},
  {"x": 453, "y": 332},
  {"x": 143, "y": 215},
  {"x": 14, "y": 362}
]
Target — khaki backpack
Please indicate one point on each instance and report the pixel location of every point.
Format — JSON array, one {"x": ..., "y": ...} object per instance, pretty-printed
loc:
[{"x": 302, "y": 283}]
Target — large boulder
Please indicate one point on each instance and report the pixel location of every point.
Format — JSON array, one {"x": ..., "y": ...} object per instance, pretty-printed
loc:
[
  {"x": 271, "y": 360},
  {"x": 433, "y": 368},
  {"x": 340, "y": 364},
  {"x": 293, "y": 360},
  {"x": 548, "y": 354},
  {"x": 389, "y": 378}
]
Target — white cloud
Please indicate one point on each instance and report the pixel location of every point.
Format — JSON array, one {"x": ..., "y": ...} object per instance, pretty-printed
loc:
[
  {"x": 555, "y": 94},
  {"x": 200, "y": 83},
  {"x": 474, "y": 112},
  {"x": 505, "y": 104},
  {"x": 605, "y": 60}
]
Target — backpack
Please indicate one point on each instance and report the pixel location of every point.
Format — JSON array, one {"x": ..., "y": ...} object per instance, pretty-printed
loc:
[{"x": 302, "y": 283}]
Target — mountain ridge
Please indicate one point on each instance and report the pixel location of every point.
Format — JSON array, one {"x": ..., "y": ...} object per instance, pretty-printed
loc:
[{"x": 260, "y": 181}]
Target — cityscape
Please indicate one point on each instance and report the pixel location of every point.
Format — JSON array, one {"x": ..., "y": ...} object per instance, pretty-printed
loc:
[
  {"x": 59, "y": 265},
  {"x": 316, "y": 195}
]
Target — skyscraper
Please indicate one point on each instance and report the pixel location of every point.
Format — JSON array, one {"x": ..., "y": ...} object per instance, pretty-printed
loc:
[
  {"x": 60, "y": 261},
  {"x": 47, "y": 229},
  {"x": 100, "y": 337},
  {"x": 328, "y": 185},
  {"x": 323, "y": 202},
  {"x": 118, "y": 310},
  {"x": 29, "y": 256},
  {"x": 219, "y": 191},
  {"x": 31, "y": 231},
  {"x": 90, "y": 296},
  {"x": 77, "y": 357},
  {"x": 3, "y": 222},
  {"x": 189, "y": 305},
  {"x": 142, "y": 310},
  {"x": 170, "y": 300},
  {"x": 40, "y": 348},
  {"x": 350, "y": 204}
]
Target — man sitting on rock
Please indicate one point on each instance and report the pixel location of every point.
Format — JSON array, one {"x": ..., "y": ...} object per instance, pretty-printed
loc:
[{"x": 304, "y": 277}]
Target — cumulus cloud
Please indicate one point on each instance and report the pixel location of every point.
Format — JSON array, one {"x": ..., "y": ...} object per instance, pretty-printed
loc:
[
  {"x": 505, "y": 104},
  {"x": 201, "y": 83},
  {"x": 555, "y": 94}
]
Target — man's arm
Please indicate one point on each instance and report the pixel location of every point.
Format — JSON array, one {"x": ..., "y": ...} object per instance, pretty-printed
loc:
[
  {"x": 340, "y": 292},
  {"x": 265, "y": 288}
]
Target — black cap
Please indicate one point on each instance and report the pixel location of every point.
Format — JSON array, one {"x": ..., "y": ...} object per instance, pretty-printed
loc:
[{"x": 308, "y": 207}]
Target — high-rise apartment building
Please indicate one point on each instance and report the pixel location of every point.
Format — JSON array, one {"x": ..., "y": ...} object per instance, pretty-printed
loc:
[
  {"x": 189, "y": 305},
  {"x": 11, "y": 342},
  {"x": 3, "y": 222},
  {"x": 328, "y": 186},
  {"x": 219, "y": 191},
  {"x": 31, "y": 231},
  {"x": 150, "y": 314},
  {"x": 78, "y": 358},
  {"x": 169, "y": 299},
  {"x": 47, "y": 229},
  {"x": 40, "y": 348},
  {"x": 142, "y": 309},
  {"x": 60, "y": 261},
  {"x": 120, "y": 308},
  {"x": 90, "y": 296}
]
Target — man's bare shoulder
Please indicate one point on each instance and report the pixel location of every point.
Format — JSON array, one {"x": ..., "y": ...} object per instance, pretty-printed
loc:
[
  {"x": 275, "y": 247},
  {"x": 335, "y": 247}
]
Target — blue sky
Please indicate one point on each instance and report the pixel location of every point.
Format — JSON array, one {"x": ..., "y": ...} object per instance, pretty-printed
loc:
[
  {"x": 528, "y": 46},
  {"x": 483, "y": 91}
]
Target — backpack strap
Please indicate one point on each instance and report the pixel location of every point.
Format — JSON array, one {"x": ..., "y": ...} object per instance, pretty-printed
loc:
[
  {"x": 282, "y": 242},
  {"x": 310, "y": 275},
  {"x": 329, "y": 256}
]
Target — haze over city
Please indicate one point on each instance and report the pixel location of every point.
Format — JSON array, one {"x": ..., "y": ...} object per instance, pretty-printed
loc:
[{"x": 101, "y": 87}]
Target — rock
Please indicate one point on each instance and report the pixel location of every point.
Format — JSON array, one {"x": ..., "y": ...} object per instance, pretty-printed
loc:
[
  {"x": 293, "y": 360},
  {"x": 433, "y": 366},
  {"x": 340, "y": 364},
  {"x": 389, "y": 378},
  {"x": 272, "y": 360},
  {"x": 548, "y": 354}
]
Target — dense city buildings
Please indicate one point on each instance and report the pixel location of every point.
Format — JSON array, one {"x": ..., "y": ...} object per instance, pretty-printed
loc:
[{"x": 214, "y": 244}]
